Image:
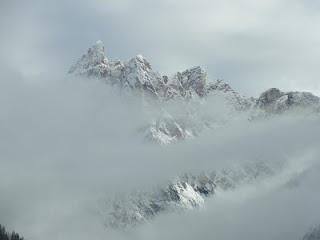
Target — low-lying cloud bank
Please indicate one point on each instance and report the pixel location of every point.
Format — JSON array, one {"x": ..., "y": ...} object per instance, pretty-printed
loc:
[{"x": 67, "y": 144}]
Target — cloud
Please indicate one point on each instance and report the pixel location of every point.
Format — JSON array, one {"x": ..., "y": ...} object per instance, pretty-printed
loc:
[{"x": 67, "y": 143}]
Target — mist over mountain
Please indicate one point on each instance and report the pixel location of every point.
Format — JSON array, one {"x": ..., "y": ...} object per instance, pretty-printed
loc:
[
  {"x": 86, "y": 166},
  {"x": 191, "y": 87},
  {"x": 190, "y": 120}
]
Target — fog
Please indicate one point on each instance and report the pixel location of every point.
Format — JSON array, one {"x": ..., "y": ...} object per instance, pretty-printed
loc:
[{"x": 67, "y": 144}]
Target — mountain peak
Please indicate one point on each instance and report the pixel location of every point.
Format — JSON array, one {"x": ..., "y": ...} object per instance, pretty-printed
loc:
[
  {"x": 137, "y": 74},
  {"x": 274, "y": 100},
  {"x": 91, "y": 63}
]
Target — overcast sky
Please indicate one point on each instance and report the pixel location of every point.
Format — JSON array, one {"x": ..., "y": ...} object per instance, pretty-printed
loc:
[
  {"x": 65, "y": 143},
  {"x": 253, "y": 45}
]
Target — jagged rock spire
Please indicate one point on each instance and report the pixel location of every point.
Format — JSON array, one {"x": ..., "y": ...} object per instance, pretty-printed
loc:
[
  {"x": 137, "y": 74},
  {"x": 93, "y": 63}
]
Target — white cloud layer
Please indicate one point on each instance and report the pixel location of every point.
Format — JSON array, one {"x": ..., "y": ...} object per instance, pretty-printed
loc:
[{"x": 66, "y": 143}]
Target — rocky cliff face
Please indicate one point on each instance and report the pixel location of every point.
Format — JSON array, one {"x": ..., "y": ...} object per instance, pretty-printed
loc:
[
  {"x": 137, "y": 74},
  {"x": 276, "y": 101}
]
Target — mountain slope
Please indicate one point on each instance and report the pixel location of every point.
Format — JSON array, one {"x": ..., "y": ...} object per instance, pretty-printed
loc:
[
  {"x": 136, "y": 76},
  {"x": 186, "y": 192},
  {"x": 193, "y": 96}
]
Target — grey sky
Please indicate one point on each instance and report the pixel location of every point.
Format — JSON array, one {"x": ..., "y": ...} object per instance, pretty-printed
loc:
[
  {"x": 69, "y": 143},
  {"x": 253, "y": 45}
]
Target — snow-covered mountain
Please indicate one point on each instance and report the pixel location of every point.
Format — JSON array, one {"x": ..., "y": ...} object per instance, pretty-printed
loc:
[
  {"x": 276, "y": 101},
  {"x": 186, "y": 192},
  {"x": 191, "y": 89},
  {"x": 137, "y": 74},
  {"x": 192, "y": 85}
]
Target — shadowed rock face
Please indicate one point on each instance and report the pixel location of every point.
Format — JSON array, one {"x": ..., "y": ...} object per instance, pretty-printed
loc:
[
  {"x": 194, "y": 78},
  {"x": 270, "y": 96},
  {"x": 137, "y": 76},
  {"x": 275, "y": 101}
]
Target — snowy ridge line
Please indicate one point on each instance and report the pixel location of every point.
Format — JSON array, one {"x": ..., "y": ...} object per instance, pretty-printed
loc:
[
  {"x": 184, "y": 193},
  {"x": 137, "y": 76}
]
